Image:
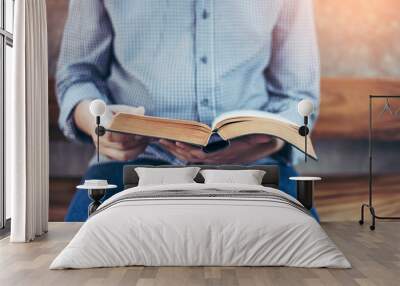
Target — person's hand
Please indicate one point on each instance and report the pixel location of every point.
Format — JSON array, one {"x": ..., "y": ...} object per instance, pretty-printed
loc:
[
  {"x": 121, "y": 147},
  {"x": 241, "y": 151}
]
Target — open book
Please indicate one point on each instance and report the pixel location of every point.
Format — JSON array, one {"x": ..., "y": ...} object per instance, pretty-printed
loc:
[{"x": 225, "y": 127}]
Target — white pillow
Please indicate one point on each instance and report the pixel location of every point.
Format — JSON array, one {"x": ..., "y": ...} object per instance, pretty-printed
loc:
[
  {"x": 166, "y": 176},
  {"x": 248, "y": 177}
]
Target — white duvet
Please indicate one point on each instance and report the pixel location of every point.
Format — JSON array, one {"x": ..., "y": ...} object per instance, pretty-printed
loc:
[{"x": 190, "y": 231}]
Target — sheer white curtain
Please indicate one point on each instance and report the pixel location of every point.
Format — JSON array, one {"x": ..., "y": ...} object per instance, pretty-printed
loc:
[{"x": 27, "y": 124}]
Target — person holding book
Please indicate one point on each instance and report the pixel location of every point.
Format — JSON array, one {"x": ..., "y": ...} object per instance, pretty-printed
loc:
[{"x": 191, "y": 60}]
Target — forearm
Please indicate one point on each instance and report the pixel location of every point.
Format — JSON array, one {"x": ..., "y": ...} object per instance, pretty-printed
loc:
[
  {"x": 293, "y": 73},
  {"x": 83, "y": 120},
  {"x": 69, "y": 101},
  {"x": 82, "y": 72},
  {"x": 286, "y": 106}
]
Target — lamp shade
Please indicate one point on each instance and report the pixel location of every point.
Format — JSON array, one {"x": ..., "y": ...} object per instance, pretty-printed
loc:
[
  {"x": 97, "y": 107},
  {"x": 305, "y": 107}
]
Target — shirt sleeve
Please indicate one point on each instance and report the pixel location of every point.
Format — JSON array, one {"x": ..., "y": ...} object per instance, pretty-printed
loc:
[
  {"x": 84, "y": 62},
  {"x": 293, "y": 73}
]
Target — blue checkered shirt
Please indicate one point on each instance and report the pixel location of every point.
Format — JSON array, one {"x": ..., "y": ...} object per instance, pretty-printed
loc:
[{"x": 189, "y": 59}]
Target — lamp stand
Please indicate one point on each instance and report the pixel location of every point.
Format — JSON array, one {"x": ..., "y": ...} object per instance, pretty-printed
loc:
[
  {"x": 304, "y": 131},
  {"x": 100, "y": 131},
  {"x": 95, "y": 195}
]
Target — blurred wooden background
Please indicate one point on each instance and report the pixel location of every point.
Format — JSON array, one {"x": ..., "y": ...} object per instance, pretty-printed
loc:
[{"x": 360, "y": 55}]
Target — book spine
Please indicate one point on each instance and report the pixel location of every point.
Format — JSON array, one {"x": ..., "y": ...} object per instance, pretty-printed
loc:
[{"x": 215, "y": 143}]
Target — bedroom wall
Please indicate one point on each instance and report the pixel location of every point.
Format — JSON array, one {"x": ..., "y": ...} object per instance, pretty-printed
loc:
[{"x": 360, "y": 55}]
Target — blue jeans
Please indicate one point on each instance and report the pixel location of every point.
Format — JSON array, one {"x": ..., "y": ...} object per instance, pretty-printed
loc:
[{"x": 112, "y": 172}]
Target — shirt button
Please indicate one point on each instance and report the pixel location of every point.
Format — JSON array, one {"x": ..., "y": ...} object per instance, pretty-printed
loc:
[
  {"x": 204, "y": 59},
  {"x": 204, "y": 102},
  {"x": 205, "y": 14}
]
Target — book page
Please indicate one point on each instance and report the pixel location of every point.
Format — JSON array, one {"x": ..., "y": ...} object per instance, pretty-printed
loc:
[
  {"x": 113, "y": 109},
  {"x": 250, "y": 113}
]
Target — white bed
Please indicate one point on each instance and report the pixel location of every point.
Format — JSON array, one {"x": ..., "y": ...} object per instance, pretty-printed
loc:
[{"x": 245, "y": 225}]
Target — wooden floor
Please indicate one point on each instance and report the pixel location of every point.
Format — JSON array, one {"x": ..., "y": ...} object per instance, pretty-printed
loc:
[{"x": 375, "y": 257}]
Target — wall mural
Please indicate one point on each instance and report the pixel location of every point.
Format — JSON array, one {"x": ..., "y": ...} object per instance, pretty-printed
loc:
[{"x": 360, "y": 56}]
